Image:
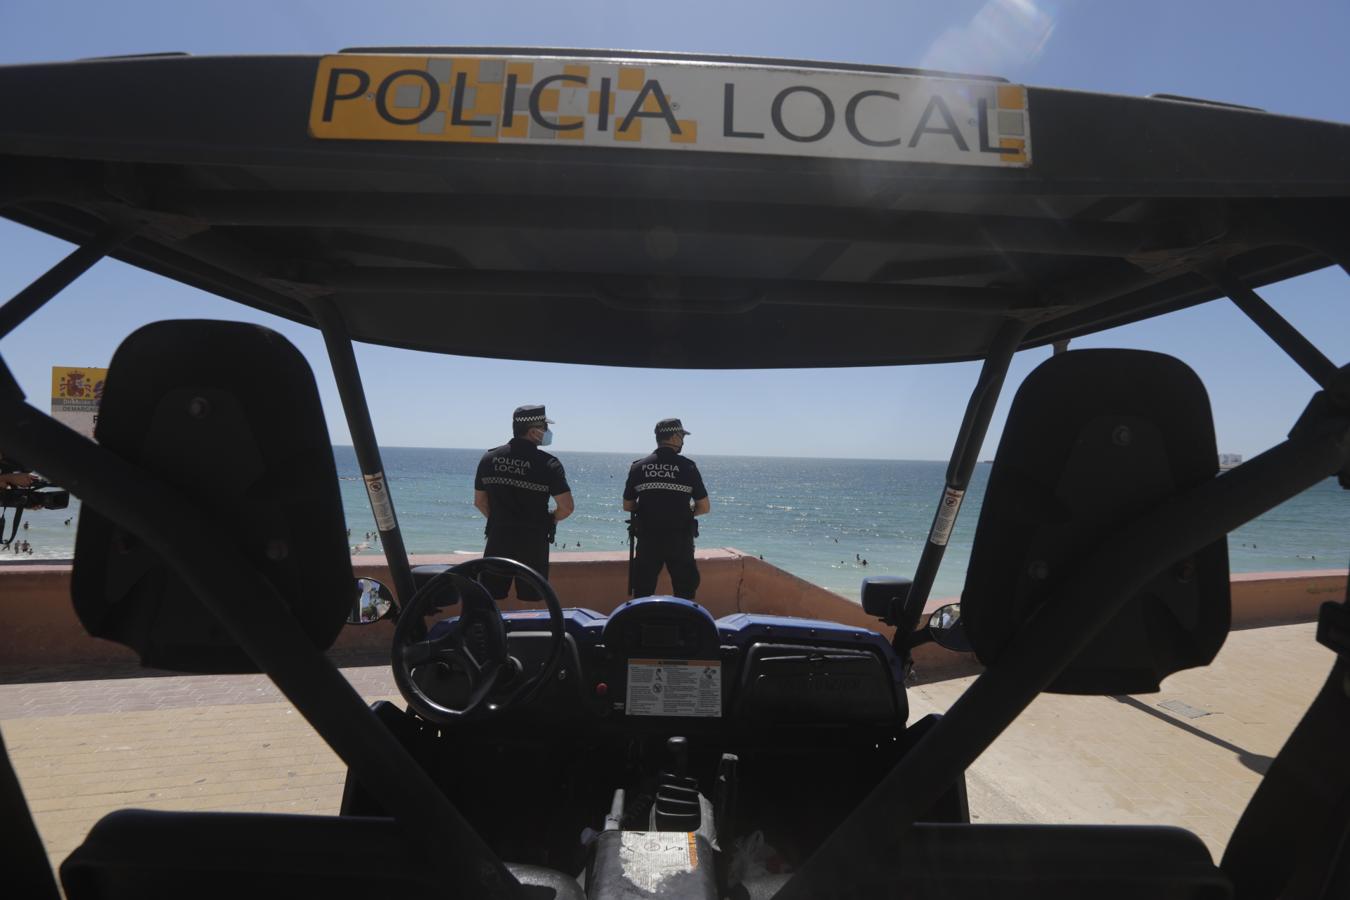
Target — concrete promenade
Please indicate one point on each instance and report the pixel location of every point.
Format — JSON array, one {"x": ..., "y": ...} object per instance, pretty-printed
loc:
[{"x": 1190, "y": 755}]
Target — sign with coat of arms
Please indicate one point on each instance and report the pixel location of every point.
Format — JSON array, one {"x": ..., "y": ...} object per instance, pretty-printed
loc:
[{"x": 76, "y": 392}]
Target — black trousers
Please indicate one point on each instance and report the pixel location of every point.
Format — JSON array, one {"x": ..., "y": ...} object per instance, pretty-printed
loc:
[
  {"x": 524, "y": 545},
  {"x": 673, "y": 549}
]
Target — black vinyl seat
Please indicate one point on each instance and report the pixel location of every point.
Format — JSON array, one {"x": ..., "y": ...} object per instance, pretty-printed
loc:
[
  {"x": 246, "y": 447},
  {"x": 1058, "y": 862},
  {"x": 1038, "y": 862},
  {"x": 1094, "y": 439},
  {"x": 148, "y": 855}
]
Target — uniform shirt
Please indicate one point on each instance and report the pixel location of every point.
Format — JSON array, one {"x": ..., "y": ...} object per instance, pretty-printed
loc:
[
  {"x": 519, "y": 478},
  {"x": 662, "y": 485}
]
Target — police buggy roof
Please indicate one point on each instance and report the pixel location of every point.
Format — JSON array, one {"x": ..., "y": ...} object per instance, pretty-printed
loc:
[{"x": 654, "y": 209}]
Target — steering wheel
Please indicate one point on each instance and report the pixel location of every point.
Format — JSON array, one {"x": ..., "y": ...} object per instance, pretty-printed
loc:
[{"x": 474, "y": 646}]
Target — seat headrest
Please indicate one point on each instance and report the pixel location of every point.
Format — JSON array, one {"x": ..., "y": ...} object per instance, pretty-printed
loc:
[
  {"x": 228, "y": 415},
  {"x": 1093, "y": 439}
]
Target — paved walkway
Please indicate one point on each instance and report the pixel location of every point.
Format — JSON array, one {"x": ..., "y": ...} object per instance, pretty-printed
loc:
[
  {"x": 231, "y": 742},
  {"x": 1190, "y": 756}
]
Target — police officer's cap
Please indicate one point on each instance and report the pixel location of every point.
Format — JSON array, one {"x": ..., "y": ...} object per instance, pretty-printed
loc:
[
  {"x": 667, "y": 427},
  {"x": 530, "y": 414}
]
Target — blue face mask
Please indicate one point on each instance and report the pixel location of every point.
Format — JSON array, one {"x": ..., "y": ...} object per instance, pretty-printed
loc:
[{"x": 547, "y": 438}]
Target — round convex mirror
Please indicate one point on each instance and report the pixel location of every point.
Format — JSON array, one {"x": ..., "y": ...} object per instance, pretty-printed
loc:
[
  {"x": 373, "y": 602},
  {"x": 947, "y": 630}
]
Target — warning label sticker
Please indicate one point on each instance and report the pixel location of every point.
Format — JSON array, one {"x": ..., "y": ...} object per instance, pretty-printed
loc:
[
  {"x": 379, "y": 502},
  {"x": 946, "y": 516},
  {"x": 648, "y": 858},
  {"x": 674, "y": 687}
]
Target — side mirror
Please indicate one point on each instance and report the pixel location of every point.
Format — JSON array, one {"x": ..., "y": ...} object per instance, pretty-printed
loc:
[
  {"x": 884, "y": 596},
  {"x": 946, "y": 629},
  {"x": 373, "y": 602}
]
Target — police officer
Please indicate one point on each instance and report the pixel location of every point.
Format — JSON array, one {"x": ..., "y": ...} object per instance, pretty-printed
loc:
[
  {"x": 511, "y": 488},
  {"x": 665, "y": 492}
]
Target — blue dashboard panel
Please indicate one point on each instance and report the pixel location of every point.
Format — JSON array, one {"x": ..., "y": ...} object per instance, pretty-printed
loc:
[
  {"x": 758, "y": 623},
  {"x": 740, "y": 630},
  {"x": 744, "y": 629},
  {"x": 660, "y": 600},
  {"x": 586, "y": 626}
]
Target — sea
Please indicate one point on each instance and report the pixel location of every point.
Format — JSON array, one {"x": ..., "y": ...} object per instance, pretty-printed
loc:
[{"x": 830, "y": 521}]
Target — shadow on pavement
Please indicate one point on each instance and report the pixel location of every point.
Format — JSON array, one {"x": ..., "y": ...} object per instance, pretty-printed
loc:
[{"x": 1253, "y": 761}]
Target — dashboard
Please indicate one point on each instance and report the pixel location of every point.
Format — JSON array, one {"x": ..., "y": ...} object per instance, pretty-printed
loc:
[{"x": 660, "y": 662}]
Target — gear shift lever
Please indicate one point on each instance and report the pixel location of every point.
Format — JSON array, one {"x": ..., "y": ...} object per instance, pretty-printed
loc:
[
  {"x": 679, "y": 752},
  {"x": 678, "y": 806}
]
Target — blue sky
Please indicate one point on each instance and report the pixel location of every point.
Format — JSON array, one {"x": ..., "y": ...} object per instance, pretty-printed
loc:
[{"x": 1286, "y": 57}]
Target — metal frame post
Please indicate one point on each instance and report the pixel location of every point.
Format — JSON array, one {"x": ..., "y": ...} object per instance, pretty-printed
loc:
[
  {"x": 348, "y": 377},
  {"x": 9, "y": 385},
  {"x": 58, "y": 278},
  {"x": 1290, "y": 339},
  {"x": 964, "y": 456}
]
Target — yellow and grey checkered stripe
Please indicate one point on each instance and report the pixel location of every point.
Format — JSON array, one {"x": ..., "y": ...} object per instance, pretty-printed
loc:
[
  {"x": 665, "y": 486},
  {"x": 515, "y": 482}
]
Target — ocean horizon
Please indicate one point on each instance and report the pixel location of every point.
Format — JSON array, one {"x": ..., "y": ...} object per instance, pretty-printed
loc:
[{"x": 829, "y": 520}]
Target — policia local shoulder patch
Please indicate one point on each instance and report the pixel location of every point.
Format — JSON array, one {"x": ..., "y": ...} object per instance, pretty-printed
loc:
[{"x": 688, "y": 106}]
